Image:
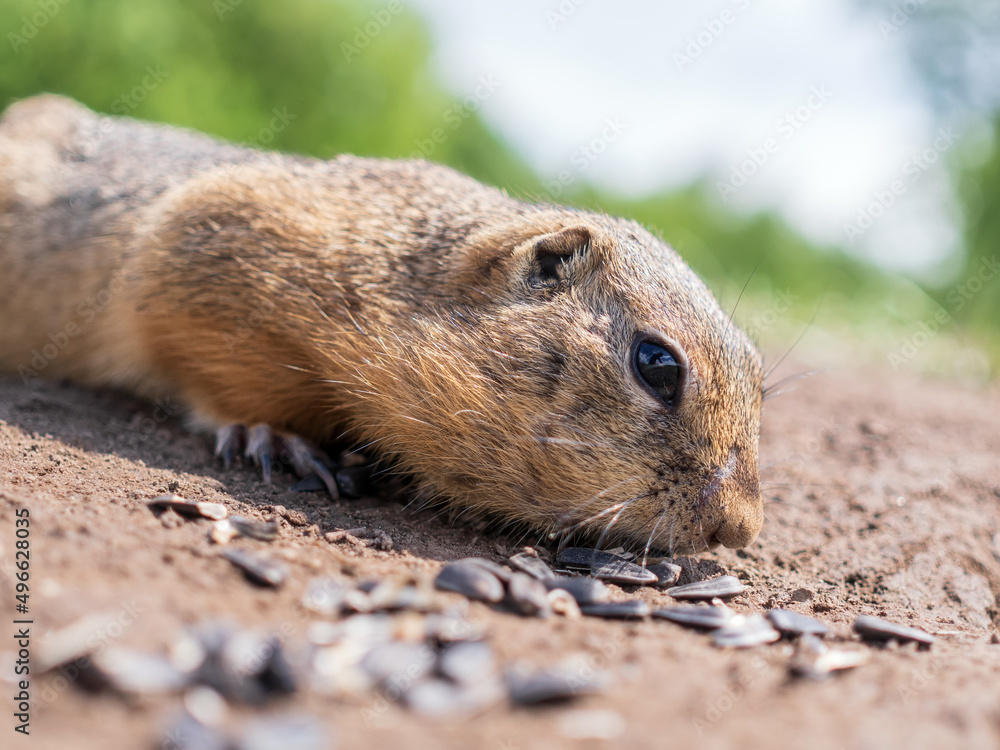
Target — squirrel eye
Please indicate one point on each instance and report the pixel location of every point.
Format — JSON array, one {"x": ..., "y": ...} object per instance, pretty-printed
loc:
[{"x": 658, "y": 369}]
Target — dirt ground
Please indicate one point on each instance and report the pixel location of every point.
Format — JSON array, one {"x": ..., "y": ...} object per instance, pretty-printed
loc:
[{"x": 882, "y": 496}]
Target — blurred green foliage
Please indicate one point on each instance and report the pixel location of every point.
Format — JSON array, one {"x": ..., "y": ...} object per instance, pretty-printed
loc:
[
  {"x": 355, "y": 78},
  {"x": 329, "y": 76},
  {"x": 980, "y": 197}
]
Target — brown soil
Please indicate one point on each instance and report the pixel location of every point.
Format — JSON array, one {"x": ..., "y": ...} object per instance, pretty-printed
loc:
[{"x": 882, "y": 497}]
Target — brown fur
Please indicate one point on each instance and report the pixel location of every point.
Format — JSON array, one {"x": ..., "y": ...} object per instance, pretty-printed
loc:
[{"x": 397, "y": 300}]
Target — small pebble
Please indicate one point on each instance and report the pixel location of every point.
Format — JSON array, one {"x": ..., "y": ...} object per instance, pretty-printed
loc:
[
  {"x": 188, "y": 508},
  {"x": 632, "y": 609},
  {"x": 470, "y": 579},
  {"x": 380, "y": 540},
  {"x": 722, "y": 587},
  {"x": 878, "y": 630},
  {"x": 342, "y": 536},
  {"x": 259, "y": 569},
  {"x": 792, "y": 623}
]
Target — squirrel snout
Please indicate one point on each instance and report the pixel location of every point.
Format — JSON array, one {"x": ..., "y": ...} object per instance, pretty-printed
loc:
[
  {"x": 736, "y": 488},
  {"x": 740, "y": 525}
]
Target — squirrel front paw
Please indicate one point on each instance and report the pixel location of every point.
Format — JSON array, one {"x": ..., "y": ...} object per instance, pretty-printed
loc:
[{"x": 261, "y": 445}]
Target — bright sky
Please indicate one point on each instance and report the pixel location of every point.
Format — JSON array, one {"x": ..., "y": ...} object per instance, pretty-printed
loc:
[{"x": 818, "y": 94}]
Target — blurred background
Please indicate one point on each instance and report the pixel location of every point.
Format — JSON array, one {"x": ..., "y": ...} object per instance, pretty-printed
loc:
[{"x": 841, "y": 155}]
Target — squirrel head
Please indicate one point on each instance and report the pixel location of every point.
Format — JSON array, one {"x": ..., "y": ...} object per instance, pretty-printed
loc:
[{"x": 579, "y": 377}]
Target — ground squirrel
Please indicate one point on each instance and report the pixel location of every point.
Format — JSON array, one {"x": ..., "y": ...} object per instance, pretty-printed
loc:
[{"x": 544, "y": 365}]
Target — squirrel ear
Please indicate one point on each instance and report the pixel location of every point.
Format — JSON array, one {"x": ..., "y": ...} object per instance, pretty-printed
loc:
[{"x": 553, "y": 250}]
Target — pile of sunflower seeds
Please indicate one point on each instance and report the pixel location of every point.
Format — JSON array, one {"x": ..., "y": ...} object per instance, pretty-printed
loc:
[
  {"x": 402, "y": 641},
  {"x": 581, "y": 573},
  {"x": 395, "y": 640}
]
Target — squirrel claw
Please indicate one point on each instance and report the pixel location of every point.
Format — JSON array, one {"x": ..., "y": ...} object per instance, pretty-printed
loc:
[{"x": 261, "y": 445}]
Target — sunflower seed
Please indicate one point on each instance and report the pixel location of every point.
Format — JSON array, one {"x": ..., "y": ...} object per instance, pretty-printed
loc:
[
  {"x": 438, "y": 699},
  {"x": 223, "y": 532},
  {"x": 583, "y": 558},
  {"x": 792, "y": 623},
  {"x": 467, "y": 663},
  {"x": 703, "y": 617},
  {"x": 170, "y": 519},
  {"x": 722, "y": 587},
  {"x": 284, "y": 733},
  {"x": 592, "y": 724},
  {"x": 563, "y": 603},
  {"x": 240, "y": 665},
  {"x": 396, "y": 594},
  {"x": 471, "y": 579},
  {"x": 622, "y": 572},
  {"x": 449, "y": 627},
  {"x": 745, "y": 631},
  {"x": 815, "y": 660},
  {"x": 631, "y": 609},
  {"x": 324, "y": 596},
  {"x": 667, "y": 574},
  {"x": 252, "y": 668},
  {"x": 528, "y": 596},
  {"x": 584, "y": 590},
  {"x": 185, "y": 732},
  {"x": 188, "y": 508},
  {"x": 495, "y": 568},
  {"x": 71, "y": 642},
  {"x": 138, "y": 673},
  {"x": 257, "y": 568},
  {"x": 559, "y": 683},
  {"x": 264, "y": 531},
  {"x": 878, "y": 630},
  {"x": 205, "y": 705},
  {"x": 533, "y": 566},
  {"x": 398, "y": 660}
]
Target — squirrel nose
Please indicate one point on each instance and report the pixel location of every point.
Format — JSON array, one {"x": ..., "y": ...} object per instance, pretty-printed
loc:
[
  {"x": 740, "y": 528},
  {"x": 742, "y": 515}
]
